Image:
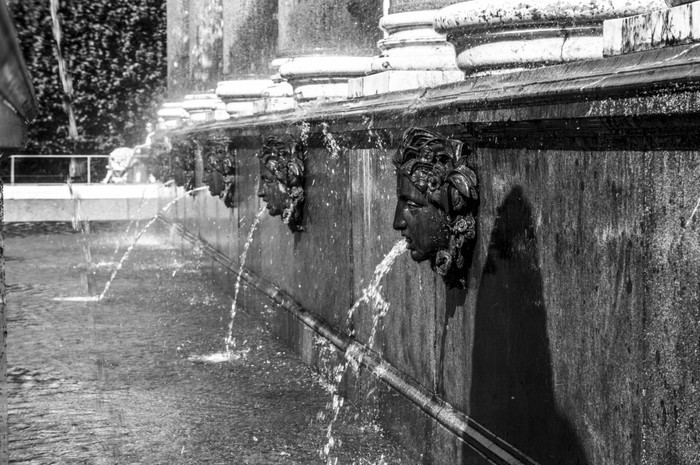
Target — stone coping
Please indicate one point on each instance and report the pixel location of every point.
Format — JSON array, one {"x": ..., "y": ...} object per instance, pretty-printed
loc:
[
  {"x": 629, "y": 102},
  {"x": 467, "y": 16},
  {"x": 201, "y": 104},
  {"x": 244, "y": 88},
  {"x": 628, "y": 85},
  {"x": 322, "y": 67}
]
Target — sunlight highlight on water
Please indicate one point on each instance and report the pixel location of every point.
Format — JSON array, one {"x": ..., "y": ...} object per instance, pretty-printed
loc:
[
  {"x": 229, "y": 338},
  {"x": 167, "y": 207}
]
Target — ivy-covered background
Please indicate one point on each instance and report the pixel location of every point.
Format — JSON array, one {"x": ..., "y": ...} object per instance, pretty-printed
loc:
[{"x": 115, "y": 52}]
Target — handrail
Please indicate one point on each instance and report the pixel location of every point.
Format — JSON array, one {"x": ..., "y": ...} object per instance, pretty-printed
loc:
[{"x": 89, "y": 157}]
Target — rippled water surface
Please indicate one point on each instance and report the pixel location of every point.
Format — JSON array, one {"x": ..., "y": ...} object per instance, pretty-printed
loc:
[{"x": 127, "y": 380}]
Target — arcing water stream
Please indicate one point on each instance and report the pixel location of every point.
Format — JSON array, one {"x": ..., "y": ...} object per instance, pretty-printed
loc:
[
  {"x": 372, "y": 296},
  {"x": 97, "y": 298},
  {"x": 227, "y": 354}
]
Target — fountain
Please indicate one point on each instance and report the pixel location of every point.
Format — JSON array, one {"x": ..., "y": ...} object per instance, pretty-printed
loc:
[
  {"x": 549, "y": 202},
  {"x": 537, "y": 194}
]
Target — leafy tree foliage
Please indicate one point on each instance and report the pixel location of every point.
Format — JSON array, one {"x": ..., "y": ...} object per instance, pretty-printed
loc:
[{"x": 115, "y": 52}]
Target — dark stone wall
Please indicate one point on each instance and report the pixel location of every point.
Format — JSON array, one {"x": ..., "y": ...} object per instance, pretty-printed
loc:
[
  {"x": 547, "y": 348},
  {"x": 671, "y": 393},
  {"x": 576, "y": 340},
  {"x": 312, "y": 266}
]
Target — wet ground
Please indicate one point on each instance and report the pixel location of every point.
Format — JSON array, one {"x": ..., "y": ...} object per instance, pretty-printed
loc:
[{"x": 111, "y": 382}]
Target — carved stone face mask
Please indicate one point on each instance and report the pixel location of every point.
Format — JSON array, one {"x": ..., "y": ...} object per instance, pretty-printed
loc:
[
  {"x": 422, "y": 224},
  {"x": 282, "y": 177},
  {"x": 437, "y": 199},
  {"x": 272, "y": 191}
]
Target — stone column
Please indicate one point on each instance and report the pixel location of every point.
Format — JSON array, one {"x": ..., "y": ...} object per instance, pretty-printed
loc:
[
  {"x": 250, "y": 37},
  {"x": 328, "y": 41},
  {"x": 178, "y": 23},
  {"x": 195, "y": 45},
  {"x": 505, "y": 35},
  {"x": 412, "y": 54},
  {"x": 206, "y": 43}
]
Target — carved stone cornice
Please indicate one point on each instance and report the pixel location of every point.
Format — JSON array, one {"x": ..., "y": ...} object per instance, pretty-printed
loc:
[
  {"x": 648, "y": 99},
  {"x": 512, "y": 34}
]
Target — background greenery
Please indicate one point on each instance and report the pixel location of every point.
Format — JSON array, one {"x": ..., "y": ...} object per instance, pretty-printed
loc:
[{"x": 115, "y": 52}]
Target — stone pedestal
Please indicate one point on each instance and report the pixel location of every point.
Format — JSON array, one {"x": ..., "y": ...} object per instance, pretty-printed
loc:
[
  {"x": 203, "y": 108},
  {"x": 657, "y": 29},
  {"x": 240, "y": 96},
  {"x": 329, "y": 42},
  {"x": 171, "y": 115},
  {"x": 280, "y": 95},
  {"x": 323, "y": 77},
  {"x": 412, "y": 55},
  {"x": 512, "y": 34}
]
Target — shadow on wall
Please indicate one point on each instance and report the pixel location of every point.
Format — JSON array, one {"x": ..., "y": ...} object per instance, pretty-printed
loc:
[{"x": 512, "y": 393}]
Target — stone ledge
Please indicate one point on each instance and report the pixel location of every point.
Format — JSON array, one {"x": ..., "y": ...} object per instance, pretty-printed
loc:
[
  {"x": 657, "y": 29},
  {"x": 394, "y": 81},
  {"x": 658, "y": 83}
]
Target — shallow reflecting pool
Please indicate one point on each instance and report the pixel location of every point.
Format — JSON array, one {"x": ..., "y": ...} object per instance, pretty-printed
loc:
[{"x": 130, "y": 379}]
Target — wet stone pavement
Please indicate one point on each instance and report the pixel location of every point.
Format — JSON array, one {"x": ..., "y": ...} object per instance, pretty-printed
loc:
[{"x": 110, "y": 382}]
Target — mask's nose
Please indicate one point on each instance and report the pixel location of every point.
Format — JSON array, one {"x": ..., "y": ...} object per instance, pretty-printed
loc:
[{"x": 399, "y": 221}]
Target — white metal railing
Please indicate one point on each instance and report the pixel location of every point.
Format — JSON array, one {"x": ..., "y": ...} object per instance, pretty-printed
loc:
[{"x": 59, "y": 157}]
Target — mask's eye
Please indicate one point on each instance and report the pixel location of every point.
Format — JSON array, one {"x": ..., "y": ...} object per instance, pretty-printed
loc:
[{"x": 412, "y": 205}]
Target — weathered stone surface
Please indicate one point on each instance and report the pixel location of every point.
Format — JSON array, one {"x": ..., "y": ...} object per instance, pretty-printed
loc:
[
  {"x": 514, "y": 34},
  {"x": 657, "y": 29},
  {"x": 671, "y": 391}
]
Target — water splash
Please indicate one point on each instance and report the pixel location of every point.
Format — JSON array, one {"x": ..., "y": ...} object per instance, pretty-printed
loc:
[
  {"x": 372, "y": 296},
  {"x": 305, "y": 132},
  {"x": 229, "y": 337},
  {"x": 329, "y": 141},
  {"x": 132, "y": 222},
  {"x": 63, "y": 73},
  {"x": 167, "y": 207},
  {"x": 119, "y": 266}
]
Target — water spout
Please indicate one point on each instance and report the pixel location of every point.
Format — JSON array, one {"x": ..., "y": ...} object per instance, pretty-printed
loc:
[{"x": 229, "y": 338}]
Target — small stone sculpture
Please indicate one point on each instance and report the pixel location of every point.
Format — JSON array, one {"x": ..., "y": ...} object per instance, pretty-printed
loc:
[
  {"x": 437, "y": 202},
  {"x": 219, "y": 171},
  {"x": 282, "y": 176}
]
